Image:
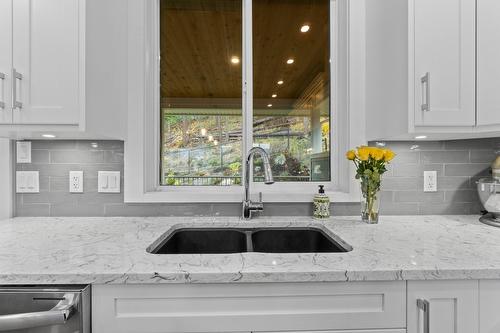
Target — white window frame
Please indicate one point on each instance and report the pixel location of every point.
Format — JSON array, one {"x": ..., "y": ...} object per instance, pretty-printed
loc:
[{"x": 142, "y": 146}]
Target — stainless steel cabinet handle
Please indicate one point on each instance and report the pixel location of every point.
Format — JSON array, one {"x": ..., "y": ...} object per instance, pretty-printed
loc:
[
  {"x": 2, "y": 103},
  {"x": 58, "y": 315},
  {"x": 15, "y": 76},
  {"x": 426, "y": 92},
  {"x": 423, "y": 305}
]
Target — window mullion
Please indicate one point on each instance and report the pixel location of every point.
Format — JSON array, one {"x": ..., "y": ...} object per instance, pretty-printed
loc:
[{"x": 247, "y": 84}]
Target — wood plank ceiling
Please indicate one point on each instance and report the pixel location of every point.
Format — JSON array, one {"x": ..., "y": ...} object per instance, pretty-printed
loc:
[{"x": 198, "y": 38}]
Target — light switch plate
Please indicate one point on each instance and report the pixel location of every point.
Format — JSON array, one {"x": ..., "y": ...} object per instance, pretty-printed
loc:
[
  {"x": 76, "y": 181},
  {"x": 27, "y": 182},
  {"x": 23, "y": 152},
  {"x": 108, "y": 182},
  {"x": 430, "y": 181}
]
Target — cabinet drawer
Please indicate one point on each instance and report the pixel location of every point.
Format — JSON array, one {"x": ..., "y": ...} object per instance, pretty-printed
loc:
[{"x": 248, "y": 307}]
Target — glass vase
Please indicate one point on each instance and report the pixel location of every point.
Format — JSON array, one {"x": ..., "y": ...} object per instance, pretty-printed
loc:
[{"x": 370, "y": 200}]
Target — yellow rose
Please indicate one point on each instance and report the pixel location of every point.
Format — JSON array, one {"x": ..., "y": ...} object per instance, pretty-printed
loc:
[
  {"x": 377, "y": 154},
  {"x": 363, "y": 153},
  {"x": 351, "y": 155},
  {"x": 388, "y": 155}
]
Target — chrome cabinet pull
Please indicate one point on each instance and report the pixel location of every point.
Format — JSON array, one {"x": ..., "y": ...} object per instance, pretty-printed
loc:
[
  {"x": 16, "y": 76},
  {"x": 423, "y": 306},
  {"x": 2, "y": 103},
  {"x": 426, "y": 92}
]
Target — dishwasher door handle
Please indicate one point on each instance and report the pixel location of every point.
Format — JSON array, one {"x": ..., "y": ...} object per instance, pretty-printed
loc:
[{"x": 58, "y": 315}]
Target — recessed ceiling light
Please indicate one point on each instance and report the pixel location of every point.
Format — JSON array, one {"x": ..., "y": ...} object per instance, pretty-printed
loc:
[
  {"x": 280, "y": 82},
  {"x": 305, "y": 28},
  {"x": 290, "y": 61},
  {"x": 235, "y": 60},
  {"x": 269, "y": 105},
  {"x": 420, "y": 137},
  {"x": 48, "y": 136},
  {"x": 274, "y": 95}
]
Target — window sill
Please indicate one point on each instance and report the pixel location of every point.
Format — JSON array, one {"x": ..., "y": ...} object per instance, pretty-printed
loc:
[{"x": 211, "y": 195}]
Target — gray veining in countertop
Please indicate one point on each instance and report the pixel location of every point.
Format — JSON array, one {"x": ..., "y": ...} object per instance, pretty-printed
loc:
[{"x": 113, "y": 250}]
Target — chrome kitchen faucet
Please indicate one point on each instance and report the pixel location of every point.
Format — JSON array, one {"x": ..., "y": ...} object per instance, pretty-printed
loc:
[{"x": 248, "y": 205}]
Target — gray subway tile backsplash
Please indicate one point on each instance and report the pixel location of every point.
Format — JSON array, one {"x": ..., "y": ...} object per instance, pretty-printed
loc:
[
  {"x": 419, "y": 197},
  {"x": 458, "y": 156},
  {"x": 40, "y": 156},
  {"x": 459, "y": 163},
  {"x": 467, "y": 169}
]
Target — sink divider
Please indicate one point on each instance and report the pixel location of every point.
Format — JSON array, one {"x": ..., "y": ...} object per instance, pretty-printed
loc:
[{"x": 249, "y": 241}]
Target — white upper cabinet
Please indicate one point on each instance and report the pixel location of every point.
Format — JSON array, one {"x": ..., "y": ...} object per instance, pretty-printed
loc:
[
  {"x": 488, "y": 62},
  {"x": 5, "y": 60},
  {"x": 443, "y": 73},
  {"x": 63, "y": 66},
  {"x": 47, "y": 61},
  {"x": 421, "y": 69}
]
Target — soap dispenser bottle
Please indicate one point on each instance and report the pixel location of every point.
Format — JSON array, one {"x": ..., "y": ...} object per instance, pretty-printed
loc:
[{"x": 321, "y": 204}]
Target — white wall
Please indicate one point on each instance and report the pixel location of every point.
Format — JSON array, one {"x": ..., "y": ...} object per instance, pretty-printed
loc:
[
  {"x": 386, "y": 62},
  {"x": 6, "y": 188}
]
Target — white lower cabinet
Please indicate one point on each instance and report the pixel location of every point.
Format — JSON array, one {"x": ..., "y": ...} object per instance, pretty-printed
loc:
[
  {"x": 354, "y": 307},
  {"x": 443, "y": 307},
  {"x": 489, "y": 303}
]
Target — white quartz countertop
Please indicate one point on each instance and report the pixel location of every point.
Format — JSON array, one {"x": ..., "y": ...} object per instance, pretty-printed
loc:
[{"x": 113, "y": 250}]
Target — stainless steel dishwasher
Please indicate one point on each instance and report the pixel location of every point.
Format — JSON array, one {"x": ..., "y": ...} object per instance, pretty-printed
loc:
[{"x": 45, "y": 309}]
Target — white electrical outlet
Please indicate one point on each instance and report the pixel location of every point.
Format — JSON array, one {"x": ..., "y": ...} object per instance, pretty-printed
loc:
[
  {"x": 23, "y": 152},
  {"x": 27, "y": 182},
  {"x": 430, "y": 181},
  {"x": 76, "y": 181},
  {"x": 108, "y": 182}
]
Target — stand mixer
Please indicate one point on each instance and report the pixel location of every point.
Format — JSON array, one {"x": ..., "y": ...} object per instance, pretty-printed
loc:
[{"x": 489, "y": 194}]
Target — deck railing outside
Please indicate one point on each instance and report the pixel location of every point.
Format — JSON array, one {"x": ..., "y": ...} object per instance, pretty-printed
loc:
[{"x": 223, "y": 180}]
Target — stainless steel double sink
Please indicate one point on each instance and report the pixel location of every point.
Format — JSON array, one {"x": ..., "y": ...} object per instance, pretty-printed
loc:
[{"x": 238, "y": 240}]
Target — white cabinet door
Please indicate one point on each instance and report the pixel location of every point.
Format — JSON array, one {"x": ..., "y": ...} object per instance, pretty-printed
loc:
[
  {"x": 453, "y": 306},
  {"x": 442, "y": 62},
  {"x": 5, "y": 60},
  {"x": 488, "y": 62},
  {"x": 489, "y": 303},
  {"x": 48, "y": 40}
]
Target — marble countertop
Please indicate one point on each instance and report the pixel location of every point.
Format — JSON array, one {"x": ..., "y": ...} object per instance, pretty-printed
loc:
[{"x": 113, "y": 251}]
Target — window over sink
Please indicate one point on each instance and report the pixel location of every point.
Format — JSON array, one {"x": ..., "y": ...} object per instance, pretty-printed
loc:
[
  {"x": 281, "y": 57},
  {"x": 210, "y": 79}
]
